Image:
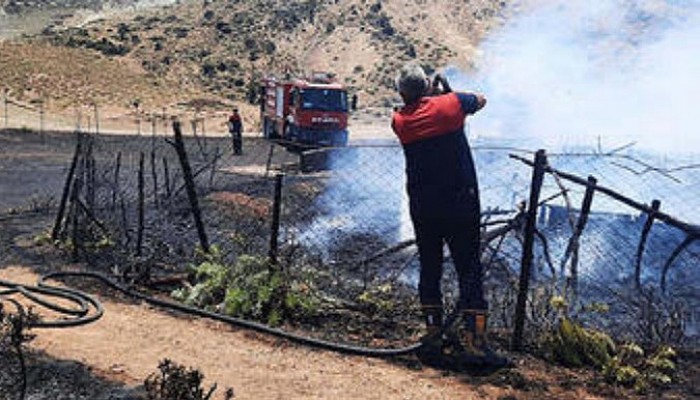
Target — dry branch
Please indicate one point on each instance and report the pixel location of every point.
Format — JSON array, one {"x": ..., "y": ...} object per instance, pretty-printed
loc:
[{"x": 690, "y": 229}]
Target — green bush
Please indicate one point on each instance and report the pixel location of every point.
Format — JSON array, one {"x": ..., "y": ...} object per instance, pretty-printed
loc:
[
  {"x": 627, "y": 365},
  {"x": 250, "y": 288},
  {"x": 631, "y": 367},
  {"x": 575, "y": 346}
]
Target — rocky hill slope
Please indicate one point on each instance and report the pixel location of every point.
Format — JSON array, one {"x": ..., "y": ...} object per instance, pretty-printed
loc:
[{"x": 217, "y": 50}]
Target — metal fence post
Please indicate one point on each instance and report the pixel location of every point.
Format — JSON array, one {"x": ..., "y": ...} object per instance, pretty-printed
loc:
[
  {"x": 41, "y": 119},
  {"x": 526, "y": 262},
  {"x": 5, "y": 100},
  {"x": 139, "y": 232},
  {"x": 97, "y": 118}
]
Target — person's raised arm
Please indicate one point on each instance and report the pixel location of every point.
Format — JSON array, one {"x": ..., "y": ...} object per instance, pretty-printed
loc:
[{"x": 471, "y": 102}]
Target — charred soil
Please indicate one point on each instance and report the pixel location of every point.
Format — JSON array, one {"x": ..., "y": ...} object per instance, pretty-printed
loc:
[{"x": 112, "y": 357}]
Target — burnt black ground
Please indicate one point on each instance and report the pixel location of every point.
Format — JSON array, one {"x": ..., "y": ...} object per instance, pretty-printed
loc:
[
  {"x": 47, "y": 378},
  {"x": 32, "y": 168}
]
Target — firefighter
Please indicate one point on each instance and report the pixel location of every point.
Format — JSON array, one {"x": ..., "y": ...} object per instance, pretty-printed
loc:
[
  {"x": 235, "y": 129},
  {"x": 444, "y": 206}
]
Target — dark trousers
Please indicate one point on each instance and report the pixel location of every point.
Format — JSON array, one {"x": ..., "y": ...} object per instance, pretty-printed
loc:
[
  {"x": 237, "y": 143},
  {"x": 461, "y": 234}
]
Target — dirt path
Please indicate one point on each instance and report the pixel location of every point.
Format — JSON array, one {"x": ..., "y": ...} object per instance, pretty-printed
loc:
[{"x": 130, "y": 340}]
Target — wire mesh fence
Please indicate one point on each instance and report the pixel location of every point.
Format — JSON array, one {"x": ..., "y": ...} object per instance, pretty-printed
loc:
[
  {"x": 339, "y": 217},
  {"x": 615, "y": 260},
  {"x": 41, "y": 115}
]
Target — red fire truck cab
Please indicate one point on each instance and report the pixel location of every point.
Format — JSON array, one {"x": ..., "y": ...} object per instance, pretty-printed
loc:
[{"x": 304, "y": 113}]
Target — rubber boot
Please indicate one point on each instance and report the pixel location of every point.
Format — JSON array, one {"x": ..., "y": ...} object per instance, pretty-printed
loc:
[
  {"x": 476, "y": 350},
  {"x": 430, "y": 352}
]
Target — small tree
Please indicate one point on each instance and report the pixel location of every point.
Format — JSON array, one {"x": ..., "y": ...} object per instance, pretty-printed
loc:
[
  {"x": 176, "y": 382},
  {"x": 14, "y": 335}
]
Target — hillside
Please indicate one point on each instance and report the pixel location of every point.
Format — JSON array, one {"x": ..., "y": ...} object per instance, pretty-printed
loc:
[{"x": 217, "y": 50}]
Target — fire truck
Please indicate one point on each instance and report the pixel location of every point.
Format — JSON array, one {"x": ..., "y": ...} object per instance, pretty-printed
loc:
[{"x": 303, "y": 114}]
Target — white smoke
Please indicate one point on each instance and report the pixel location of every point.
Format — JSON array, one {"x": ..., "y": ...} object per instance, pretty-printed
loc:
[
  {"x": 365, "y": 194},
  {"x": 564, "y": 75},
  {"x": 572, "y": 73}
]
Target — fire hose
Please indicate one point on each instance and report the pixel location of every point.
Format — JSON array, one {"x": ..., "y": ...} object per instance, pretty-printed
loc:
[{"x": 82, "y": 304}]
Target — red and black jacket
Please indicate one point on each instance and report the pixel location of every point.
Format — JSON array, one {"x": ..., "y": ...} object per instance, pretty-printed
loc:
[
  {"x": 441, "y": 179},
  {"x": 235, "y": 123}
]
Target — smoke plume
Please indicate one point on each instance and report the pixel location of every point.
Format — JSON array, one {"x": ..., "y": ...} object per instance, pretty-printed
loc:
[{"x": 580, "y": 73}]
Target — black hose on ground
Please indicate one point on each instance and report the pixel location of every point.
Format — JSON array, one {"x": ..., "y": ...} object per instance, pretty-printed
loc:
[
  {"x": 305, "y": 340},
  {"x": 81, "y": 314},
  {"x": 83, "y": 302}
]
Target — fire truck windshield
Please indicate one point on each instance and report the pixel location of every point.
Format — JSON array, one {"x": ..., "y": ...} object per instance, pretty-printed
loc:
[{"x": 324, "y": 99}]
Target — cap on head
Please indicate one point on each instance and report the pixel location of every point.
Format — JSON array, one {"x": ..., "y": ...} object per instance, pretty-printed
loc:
[{"x": 411, "y": 82}]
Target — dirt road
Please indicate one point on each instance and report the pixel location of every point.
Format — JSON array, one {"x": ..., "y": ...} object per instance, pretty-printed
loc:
[{"x": 130, "y": 340}]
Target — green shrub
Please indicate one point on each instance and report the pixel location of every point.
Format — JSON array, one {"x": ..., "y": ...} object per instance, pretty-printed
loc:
[
  {"x": 575, "y": 346},
  {"x": 250, "y": 288},
  {"x": 631, "y": 367},
  {"x": 627, "y": 365}
]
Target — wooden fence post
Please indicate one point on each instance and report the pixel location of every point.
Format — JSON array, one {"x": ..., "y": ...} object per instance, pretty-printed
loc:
[
  {"x": 153, "y": 127},
  {"x": 166, "y": 177},
  {"x": 137, "y": 106},
  {"x": 74, "y": 200},
  {"x": 202, "y": 149},
  {"x": 90, "y": 175},
  {"x": 213, "y": 167},
  {"x": 189, "y": 186},
  {"x": 115, "y": 186},
  {"x": 154, "y": 176},
  {"x": 66, "y": 188},
  {"x": 676, "y": 252},
  {"x": 275, "y": 227},
  {"x": 580, "y": 226},
  {"x": 526, "y": 262},
  {"x": 655, "y": 205}
]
